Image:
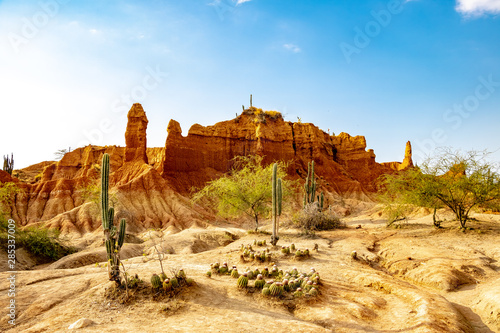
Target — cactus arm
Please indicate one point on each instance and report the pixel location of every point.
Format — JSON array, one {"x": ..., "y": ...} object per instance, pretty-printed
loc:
[
  {"x": 279, "y": 196},
  {"x": 104, "y": 192},
  {"x": 121, "y": 234}
]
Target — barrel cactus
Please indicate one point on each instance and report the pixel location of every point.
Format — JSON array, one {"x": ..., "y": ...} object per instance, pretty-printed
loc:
[
  {"x": 167, "y": 285},
  {"x": 275, "y": 289},
  {"x": 234, "y": 273},
  {"x": 156, "y": 281},
  {"x": 243, "y": 281},
  {"x": 174, "y": 282},
  {"x": 266, "y": 292},
  {"x": 260, "y": 282},
  {"x": 298, "y": 293}
]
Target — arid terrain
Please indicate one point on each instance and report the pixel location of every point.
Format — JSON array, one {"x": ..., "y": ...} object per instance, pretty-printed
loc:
[{"x": 412, "y": 279}]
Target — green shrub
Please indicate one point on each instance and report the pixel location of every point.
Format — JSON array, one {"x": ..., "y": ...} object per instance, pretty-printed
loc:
[
  {"x": 43, "y": 242},
  {"x": 311, "y": 219}
]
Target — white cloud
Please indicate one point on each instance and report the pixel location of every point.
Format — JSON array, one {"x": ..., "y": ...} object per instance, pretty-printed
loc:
[
  {"x": 478, "y": 7},
  {"x": 239, "y": 2},
  {"x": 292, "y": 47}
]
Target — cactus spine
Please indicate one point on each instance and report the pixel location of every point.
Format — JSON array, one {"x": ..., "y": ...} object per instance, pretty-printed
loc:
[
  {"x": 277, "y": 198},
  {"x": 114, "y": 241}
]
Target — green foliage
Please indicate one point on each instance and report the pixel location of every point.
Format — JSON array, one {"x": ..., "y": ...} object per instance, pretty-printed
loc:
[
  {"x": 459, "y": 181},
  {"x": 244, "y": 190},
  {"x": 43, "y": 242},
  {"x": 310, "y": 219},
  {"x": 39, "y": 241},
  {"x": 7, "y": 192}
]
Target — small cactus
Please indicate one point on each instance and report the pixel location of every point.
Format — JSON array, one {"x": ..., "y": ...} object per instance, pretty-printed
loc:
[
  {"x": 354, "y": 255},
  {"x": 260, "y": 282},
  {"x": 167, "y": 286},
  {"x": 275, "y": 289},
  {"x": 163, "y": 276},
  {"x": 208, "y": 274},
  {"x": 298, "y": 293},
  {"x": 174, "y": 282},
  {"x": 265, "y": 272},
  {"x": 181, "y": 274},
  {"x": 313, "y": 292},
  {"x": 234, "y": 273},
  {"x": 292, "y": 247},
  {"x": 266, "y": 292},
  {"x": 156, "y": 281},
  {"x": 243, "y": 281}
]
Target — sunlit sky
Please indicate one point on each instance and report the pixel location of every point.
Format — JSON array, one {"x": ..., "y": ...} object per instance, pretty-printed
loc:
[{"x": 421, "y": 70}]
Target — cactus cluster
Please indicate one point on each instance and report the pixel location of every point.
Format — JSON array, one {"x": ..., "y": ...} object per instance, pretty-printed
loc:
[
  {"x": 292, "y": 282},
  {"x": 161, "y": 283},
  {"x": 114, "y": 237},
  {"x": 302, "y": 254},
  {"x": 310, "y": 188},
  {"x": 8, "y": 164},
  {"x": 259, "y": 256},
  {"x": 280, "y": 282},
  {"x": 259, "y": 242}
]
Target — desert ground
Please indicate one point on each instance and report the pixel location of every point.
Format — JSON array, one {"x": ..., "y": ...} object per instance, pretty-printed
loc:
[{"x": 415, "y": 278}]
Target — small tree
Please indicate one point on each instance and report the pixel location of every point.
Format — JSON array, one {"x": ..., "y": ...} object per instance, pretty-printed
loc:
[
  {"x": 245, "y": 190},
  {"x": 459, "y": 181}
]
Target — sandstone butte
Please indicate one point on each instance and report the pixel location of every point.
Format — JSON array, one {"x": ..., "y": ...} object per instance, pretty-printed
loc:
[{"x": 153, "y": 185}]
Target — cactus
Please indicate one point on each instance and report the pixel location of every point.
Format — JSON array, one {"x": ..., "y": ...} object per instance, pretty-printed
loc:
[
  {"x": 156, "y": 282},
  {"x": 163, "y": 277},
  {"x": 113, "y": 241},
  {"x": 242, "y": 281},
  {"x": 8, "y": 164},
  {"x": 208, "y": 274},
  {"x": 313, "y": 292},
  {"x": 167, "y": 285},
  {"x": 266, "y": 291},
  {"x": 181, "y": 274},
  {"x": 310, "y": 188},
  {"x": 174, "y": 282},
  {"x": 298, "y": 293},
  {"x": 277, "y": 198},
  {"x": 292, "y": 247},
  {"x": 260, "y": 282},
  {"x": 275, "y": 289},
  {"x": 234, "y": 273}
]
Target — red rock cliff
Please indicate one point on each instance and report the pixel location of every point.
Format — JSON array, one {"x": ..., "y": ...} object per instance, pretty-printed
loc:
[{"x": 151, "y": 185}]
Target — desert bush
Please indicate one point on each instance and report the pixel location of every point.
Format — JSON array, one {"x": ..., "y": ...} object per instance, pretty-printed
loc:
[
  {"x": 39, "y": 241},
  {"x": 311, "y": 219},
  {"x": 453, "y": 179},
  {"x": 43, "y": 242}
]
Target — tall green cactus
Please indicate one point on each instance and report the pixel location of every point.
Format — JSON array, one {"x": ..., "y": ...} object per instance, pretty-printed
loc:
[
  {"x": 310, "y": 188},
  {"x": 114, "y": 240},
  {"x": 277, "y": 198}
]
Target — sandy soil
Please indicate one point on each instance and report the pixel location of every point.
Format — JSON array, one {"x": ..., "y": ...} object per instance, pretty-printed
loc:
[{"x": 412, "y": 279}]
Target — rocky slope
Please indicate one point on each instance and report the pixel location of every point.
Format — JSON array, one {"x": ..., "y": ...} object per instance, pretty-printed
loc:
[{"x": 152, "y": 185}]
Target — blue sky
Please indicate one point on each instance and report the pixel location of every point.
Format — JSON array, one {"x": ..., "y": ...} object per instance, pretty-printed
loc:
[{"x": 421, "y": 70}]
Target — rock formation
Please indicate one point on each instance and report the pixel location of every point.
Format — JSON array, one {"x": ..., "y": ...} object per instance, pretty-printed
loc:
[
  {"x": 135, "y": 135},
  {"x": 152, "y": 185}
]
